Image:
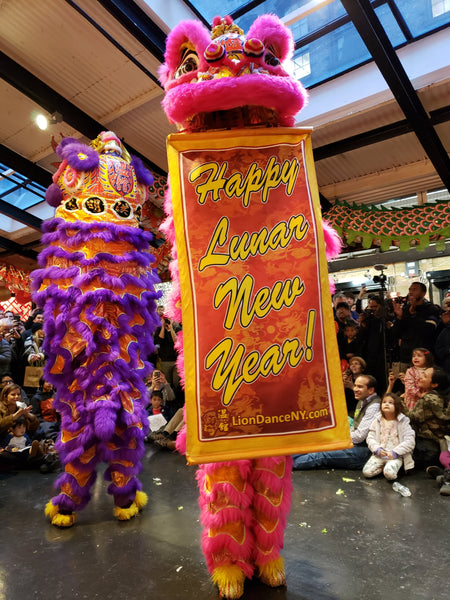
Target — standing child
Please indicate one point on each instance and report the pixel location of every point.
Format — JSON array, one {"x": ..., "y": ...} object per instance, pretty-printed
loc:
[
  {"x": 422, "y": 359},
  {"x": 391, "y": 440}
]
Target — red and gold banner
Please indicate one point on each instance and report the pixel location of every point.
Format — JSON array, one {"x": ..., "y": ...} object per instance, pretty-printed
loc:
[{"x": 261, "y": 360}]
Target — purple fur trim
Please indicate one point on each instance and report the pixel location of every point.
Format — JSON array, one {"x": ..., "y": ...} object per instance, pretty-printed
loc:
[
  {"x": 142, "y": 259},
  {"x": 55, "y": 231},
  {"x": 63, "y": 143},
  {"x": 53, "y": 195},
  {"x": 80, "y": 157},
  {"x": 143, "y": 175}
]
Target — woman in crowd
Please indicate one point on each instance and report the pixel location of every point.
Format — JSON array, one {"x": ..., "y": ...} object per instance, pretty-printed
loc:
[{"x": 430, "y": 417}]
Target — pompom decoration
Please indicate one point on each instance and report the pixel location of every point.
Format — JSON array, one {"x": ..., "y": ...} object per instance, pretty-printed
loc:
[
  {"x": 63, "y": 143},
  {"x": 253, "y": 47},
  {"x": 80, "y": 157},
  {"x": 53, "y": 195},
  {"x": 214, "y": 52}
]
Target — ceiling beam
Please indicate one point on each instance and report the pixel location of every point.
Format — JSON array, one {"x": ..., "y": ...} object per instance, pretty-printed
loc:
[
  {"x": 39, "y": 92},
  {"x": 25, "y": 167},
  {"x": 380, "y": 134},
  {"x": 18, "y": 214},
  {"x": 375, "y": 38},
  {"x": 113, "y": 41},
  {"x": 375, "y": 188},
  {"x": 14, "y": 248},
  {"x": 139, "y": 24}
]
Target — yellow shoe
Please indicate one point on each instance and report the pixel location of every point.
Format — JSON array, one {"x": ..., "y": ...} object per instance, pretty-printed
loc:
[
  {"x": 272, "y": 573},
  {"x": 125, "y": 514},
  {"x": 57, "y": 519},
  {"x": 141, "y": 499},
  {"x": 230, "y": 581}
]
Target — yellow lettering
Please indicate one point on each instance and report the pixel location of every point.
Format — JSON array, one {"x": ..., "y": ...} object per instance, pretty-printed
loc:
[
  {"x": 266, "y": 299},
  {"x": 256, "y": 180},
  {"x": 214, "y": 182},
  {"x": 258, "y": 242},
  {"x": 219, "y": 238},
  {"x": 233, "y": 369}
]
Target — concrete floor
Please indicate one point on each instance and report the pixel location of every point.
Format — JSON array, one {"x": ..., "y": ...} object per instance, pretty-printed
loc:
[{"x": 366, "y": 543}]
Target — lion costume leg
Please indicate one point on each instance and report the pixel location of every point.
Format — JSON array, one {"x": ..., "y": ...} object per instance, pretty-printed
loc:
[
  {"x": 76, "y": 482},
  {"x": 271, "y": 479},
  {"x": 226, "y": 515},
  {"x": 126, "y": 450}
]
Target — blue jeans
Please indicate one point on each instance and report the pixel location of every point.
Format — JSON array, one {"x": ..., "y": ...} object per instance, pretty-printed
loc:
[{"x": 351, "y": 458}]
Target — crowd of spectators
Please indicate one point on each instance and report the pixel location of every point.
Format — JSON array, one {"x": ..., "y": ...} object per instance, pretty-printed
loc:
[
  {"x": 394, "y": 353},
  {"x": 26, "y": 399}
]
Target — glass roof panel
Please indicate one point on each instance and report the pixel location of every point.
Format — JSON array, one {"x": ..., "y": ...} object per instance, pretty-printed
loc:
[
  {"x": 330, "y": 46},
  {"x": 17, "y": 190},
  {"x": 333, "y": 53},
  {"x": 209, "y": 9},
  {"x": 422, "y": 16},
  {"x": 281, "y": 8},
  {"x": 390, "y": 25}
]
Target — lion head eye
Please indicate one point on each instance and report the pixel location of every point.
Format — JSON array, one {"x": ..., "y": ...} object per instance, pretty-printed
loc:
[
  {"x": 189, "y": 64},
  {"x": 271, "y": 59}
]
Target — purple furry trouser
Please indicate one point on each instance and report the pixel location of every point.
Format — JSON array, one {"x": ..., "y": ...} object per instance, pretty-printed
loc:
[
  {"x": 244, "y": 506},
  {"x": 97, "y": 291},
  {"x": 123, "y": 453}
]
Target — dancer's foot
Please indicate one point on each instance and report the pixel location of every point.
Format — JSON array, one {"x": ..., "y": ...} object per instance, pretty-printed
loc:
[
  {"x": 272, "y": 573},
  {"x": 125, "y": 514},
  {"x": 230, "y": 581},
  {"x": 59, "y": 518}
]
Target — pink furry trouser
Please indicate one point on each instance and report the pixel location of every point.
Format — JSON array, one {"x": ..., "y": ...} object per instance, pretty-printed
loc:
[{"x": 244, "y": 506}]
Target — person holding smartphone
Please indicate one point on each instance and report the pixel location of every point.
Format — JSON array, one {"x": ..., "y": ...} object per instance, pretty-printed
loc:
[
  {"x": 165, "y": 338},
  {"x": 158, "y": 383}
]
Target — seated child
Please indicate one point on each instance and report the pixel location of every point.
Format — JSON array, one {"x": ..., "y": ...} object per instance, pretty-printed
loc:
[
  {"x": 19, "y": 441},
  {"x": 391, "y": 439},
  {"x": 156, "y": 405}
]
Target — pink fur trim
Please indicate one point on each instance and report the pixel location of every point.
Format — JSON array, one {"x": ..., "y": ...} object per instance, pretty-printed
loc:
[
  {"x": 272, "y": 32},
  {"x": 283, "y": 94},
  {"x": 186, "y": 31},
  {"x": 333, "y": 242}
]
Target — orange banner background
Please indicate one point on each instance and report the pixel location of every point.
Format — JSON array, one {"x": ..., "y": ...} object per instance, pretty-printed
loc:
[{"x": 261, "y": 360}]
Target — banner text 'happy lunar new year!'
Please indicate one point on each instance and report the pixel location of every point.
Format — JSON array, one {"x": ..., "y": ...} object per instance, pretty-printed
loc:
[{"x": 261, "y": 361}]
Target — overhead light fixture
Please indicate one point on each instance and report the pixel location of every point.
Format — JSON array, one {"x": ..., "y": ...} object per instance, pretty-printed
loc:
[{"x": 43, "y": 122}]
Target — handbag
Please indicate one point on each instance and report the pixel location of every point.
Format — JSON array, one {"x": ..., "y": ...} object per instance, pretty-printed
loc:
[{"x": 32, "y": 376}]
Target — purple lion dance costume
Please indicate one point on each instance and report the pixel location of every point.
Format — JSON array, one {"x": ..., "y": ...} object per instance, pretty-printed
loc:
[
  {"x": 96, "y": 288},
  {"x": 226, "y": 80}
]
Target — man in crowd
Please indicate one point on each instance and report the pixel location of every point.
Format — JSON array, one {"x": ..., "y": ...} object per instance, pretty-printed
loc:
[
  {"x": 366, "y": 410},
  {"x": 416, "y": 324}
]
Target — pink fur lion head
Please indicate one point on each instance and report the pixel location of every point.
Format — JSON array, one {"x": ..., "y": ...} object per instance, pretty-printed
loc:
[{"x": 206, "y": 73}]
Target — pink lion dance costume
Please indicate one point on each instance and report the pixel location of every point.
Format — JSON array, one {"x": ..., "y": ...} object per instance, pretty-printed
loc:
[
  {"x": 96, "y": 288},
  {"x": 223, "y": 81}
]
